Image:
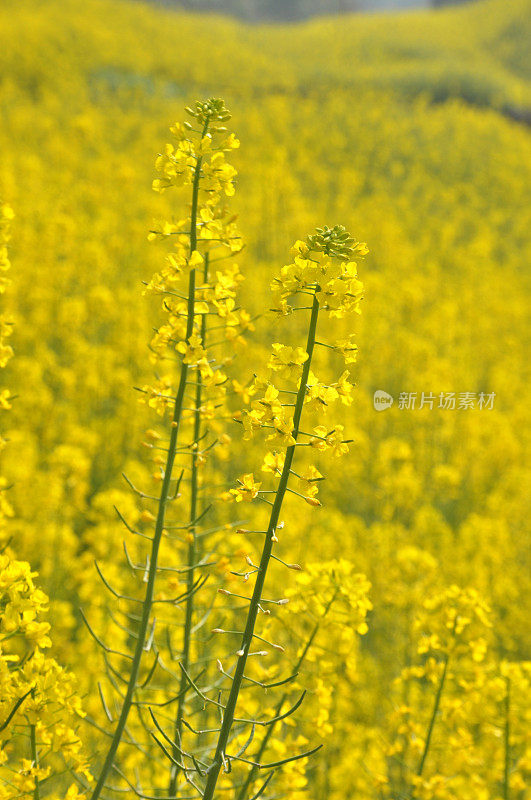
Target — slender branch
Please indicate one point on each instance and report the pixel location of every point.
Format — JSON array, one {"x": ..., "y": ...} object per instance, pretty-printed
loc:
[
  {"x": 435, "y": 711},
  {"x": 192, "y": 555},
  {"x": 14, "y": 710}
]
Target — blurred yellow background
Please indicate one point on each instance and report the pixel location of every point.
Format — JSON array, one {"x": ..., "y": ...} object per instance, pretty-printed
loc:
[{"x": 412, "y": 130}]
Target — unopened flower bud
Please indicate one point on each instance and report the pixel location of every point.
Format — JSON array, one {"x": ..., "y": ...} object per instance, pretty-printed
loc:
[{"x": 313, "y": 501}]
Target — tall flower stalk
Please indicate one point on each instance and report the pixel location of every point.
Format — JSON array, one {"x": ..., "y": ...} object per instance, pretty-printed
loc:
[
  {"x": 196, "y": 160},
  {"x": 324, "y": 269}
]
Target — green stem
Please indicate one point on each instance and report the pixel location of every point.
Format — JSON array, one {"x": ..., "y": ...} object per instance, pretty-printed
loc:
[
  {"x": 228, "y": 715},
  {"x": 406, "y": 692},
  {"x": 35, "y": 759},
  {"x": 435, "y": 711},
  {"x": 507, "y": 741},
  {"x": 192, "y": 555},
  {"x": 161, "y": 513},
  {"x": 270, "y": 728}
]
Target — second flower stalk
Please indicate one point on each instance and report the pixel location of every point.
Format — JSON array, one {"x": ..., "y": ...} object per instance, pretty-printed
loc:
[{"x": 323, "y": 268}]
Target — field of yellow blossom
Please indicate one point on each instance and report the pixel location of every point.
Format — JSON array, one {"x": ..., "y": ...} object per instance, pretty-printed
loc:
[{"x": 182, "y": 368}]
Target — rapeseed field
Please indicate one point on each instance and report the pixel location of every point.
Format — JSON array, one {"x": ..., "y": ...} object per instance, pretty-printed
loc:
[{"x": 264, "y": 508}]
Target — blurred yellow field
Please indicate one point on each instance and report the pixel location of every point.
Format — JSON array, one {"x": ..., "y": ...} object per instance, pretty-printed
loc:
[{"x": 409, "y": 594}]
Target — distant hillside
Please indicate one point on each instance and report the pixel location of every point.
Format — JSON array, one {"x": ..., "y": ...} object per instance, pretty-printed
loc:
[
  {"x": 291, "y": 10},
  {"x": 476, "y": 51}
]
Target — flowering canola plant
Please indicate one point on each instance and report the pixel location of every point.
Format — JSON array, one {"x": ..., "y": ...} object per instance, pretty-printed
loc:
[{"x": 40, "y": 709}]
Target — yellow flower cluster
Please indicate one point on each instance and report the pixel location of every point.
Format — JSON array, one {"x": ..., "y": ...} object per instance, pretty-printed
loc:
[
  {"x": 198, "y": 160},
  {"x": 39, "y": 699},
  {"x": 456, "y": 620},
  {"x": 323, "y": 260},
  {"x": 177, "y": 163},
  {"x": 333, "y": 593},
  {"x": 322, "y": 265}
]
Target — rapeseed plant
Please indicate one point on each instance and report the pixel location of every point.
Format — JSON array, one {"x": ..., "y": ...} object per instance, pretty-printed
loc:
[
  {"x": 323, "y": 269},
  {"x": 194, "y": 286},
  {"x": 39, "y": 707}
]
